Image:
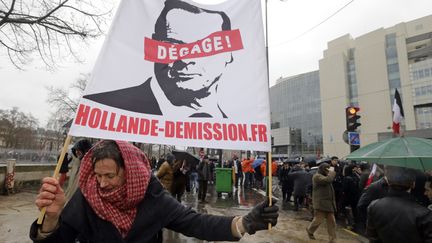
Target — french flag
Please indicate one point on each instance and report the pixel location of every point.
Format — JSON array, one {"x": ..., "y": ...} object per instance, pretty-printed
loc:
[
  {"x": 371, "y": 176},
  {"x": 398, "y": 113}
]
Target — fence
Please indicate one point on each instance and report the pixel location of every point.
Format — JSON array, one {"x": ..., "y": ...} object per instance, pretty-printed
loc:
[{"x": 28, "y": 155}]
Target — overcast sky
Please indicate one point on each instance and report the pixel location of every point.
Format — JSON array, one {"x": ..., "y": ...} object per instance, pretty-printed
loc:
[{"x": 291, "y": 51}]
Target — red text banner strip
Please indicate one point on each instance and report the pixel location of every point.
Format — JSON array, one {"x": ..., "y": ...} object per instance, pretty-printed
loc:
[{"x": 218, "y": 42}]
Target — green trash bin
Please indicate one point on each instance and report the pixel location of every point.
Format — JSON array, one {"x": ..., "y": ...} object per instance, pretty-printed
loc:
[{"x": 224, "y": 181}]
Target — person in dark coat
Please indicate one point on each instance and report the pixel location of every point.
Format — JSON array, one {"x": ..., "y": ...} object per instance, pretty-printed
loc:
[
  {"x": 238, "y": 171},
  {"x": 364, "y": 176},
  {"x": 337, "y": 183},
  {"x": 397, "y": 217},
  {"x": 204, "y": 174},
  {"x": 180, "y": 179},
  {"x": 64, "y": 168},
  {"x": 376, "y": 190},
  {"x": 283, "y": 175},
  {"x": 324, "y": 203},
  {"x": 351, "y": 193},
  {"x": 301, "y": 180},
  {"x": 119, "y": 200},
  {"x": 79, "y": 149},
  {"x": 418, "y": 191}
]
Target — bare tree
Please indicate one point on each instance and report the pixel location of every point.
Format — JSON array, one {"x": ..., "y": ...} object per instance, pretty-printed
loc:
[
  {"x": 17, "y": 129},
  {"x": 50, "y": 28},
  {"x": 65, "y": 101}
]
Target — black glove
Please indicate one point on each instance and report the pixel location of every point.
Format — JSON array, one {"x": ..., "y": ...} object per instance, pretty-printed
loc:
[{"x": 260, "y": 216}]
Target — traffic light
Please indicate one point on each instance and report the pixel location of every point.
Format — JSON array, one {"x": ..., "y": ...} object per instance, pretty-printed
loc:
[{"x": 352, "y": 118}]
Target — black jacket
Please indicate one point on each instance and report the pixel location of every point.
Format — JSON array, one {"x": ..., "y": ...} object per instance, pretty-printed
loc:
[
  {"x": 302, "y": 180},
  {"x": 351, "y": 190},
  {"x": 398, "y": 218},
  {"x": 375, "y": 191},
  {"x": 158, "y": 210}
]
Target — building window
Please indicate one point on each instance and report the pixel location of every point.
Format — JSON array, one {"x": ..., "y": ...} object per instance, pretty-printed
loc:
[
  {"x": 352, "y": 80},
  {"x": 391, "y": 39},
  {"x": 392, "y": 64},
  {"x": 423, "y": 116}
]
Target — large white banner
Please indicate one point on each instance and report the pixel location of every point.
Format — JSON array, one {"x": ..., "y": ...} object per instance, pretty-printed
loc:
[{"x": 181, "y": 73}]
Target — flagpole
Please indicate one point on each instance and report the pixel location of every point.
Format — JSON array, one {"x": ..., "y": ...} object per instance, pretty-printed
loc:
[
  {"x": 269, "y": 157},
  {"x": 56, "y": 173}
]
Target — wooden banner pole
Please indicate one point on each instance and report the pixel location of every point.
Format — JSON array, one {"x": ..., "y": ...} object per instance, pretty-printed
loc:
[
  {"x": 269, "y": 182},
  {"x": 56, "y": 173}
]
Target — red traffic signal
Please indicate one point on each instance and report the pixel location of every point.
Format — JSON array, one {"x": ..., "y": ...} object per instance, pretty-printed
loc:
[{"x": 352, "y": 118}]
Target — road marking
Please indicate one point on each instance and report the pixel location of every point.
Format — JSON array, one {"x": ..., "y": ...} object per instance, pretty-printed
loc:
[
  {"x": 349, "y": 231},
  {"x": 264, "y": 193}
]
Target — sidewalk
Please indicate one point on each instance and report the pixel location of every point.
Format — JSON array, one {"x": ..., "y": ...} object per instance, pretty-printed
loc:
[{"x": 17, "y": 212}]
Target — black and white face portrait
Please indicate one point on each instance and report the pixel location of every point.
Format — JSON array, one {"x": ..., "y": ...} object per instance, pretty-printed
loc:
[{"x": 185, "y": 82}]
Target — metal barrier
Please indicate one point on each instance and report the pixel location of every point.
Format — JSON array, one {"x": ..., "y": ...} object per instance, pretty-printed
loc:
[{"x": 28, "y": 155}]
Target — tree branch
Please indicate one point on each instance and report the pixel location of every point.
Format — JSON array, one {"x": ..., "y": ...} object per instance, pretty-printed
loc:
[{"x": 5, "y": 17}]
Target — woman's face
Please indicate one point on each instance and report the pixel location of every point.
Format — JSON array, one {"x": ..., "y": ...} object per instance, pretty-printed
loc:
[{"x": 108, "y": 174}]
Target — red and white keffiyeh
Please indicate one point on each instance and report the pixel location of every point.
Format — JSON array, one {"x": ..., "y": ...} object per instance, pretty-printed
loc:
[{"x": 117, "y": 206}]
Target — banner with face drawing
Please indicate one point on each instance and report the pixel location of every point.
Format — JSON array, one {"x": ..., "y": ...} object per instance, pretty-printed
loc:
[{"x": 181, "y": 73}]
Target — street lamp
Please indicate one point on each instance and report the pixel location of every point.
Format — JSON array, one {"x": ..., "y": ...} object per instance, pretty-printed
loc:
[{"x": 266, "y": 40}]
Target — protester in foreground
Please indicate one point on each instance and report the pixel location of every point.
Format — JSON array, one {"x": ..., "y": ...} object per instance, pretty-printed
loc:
[
  {"x": 376, "y": 190},
  {"x": 119, "y": 200},
  {"x": 398, "y": 217},
  {"x": 324, "y": 203}
]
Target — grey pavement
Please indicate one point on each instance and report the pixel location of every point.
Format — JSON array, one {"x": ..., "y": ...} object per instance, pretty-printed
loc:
[{"x": 18, "y": 211}]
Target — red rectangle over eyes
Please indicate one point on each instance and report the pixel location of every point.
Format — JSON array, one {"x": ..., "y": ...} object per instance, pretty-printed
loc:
[{"x": 218, "y": 42}]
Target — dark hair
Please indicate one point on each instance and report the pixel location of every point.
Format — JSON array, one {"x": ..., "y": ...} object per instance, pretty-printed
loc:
[
  {"x": 161, "y": 26},
  {"x": 107, "y": 149},
  {"x": 399, "y": 178},
  {"x": 82, "y": 145},
  {"x": 348, "y": 169},
  {"x": 334, "y": 157},
  {"x": 322, "y": 168},
  {"x": 170, "y": 158},
  {"x": 364, "y": 166}
]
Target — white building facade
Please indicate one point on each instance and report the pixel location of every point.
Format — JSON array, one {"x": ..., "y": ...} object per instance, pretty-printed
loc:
[{"x": 365, "y": 72}]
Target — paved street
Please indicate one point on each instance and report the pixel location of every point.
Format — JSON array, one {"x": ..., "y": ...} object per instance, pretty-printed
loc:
[{"x": 18, "y": 211}]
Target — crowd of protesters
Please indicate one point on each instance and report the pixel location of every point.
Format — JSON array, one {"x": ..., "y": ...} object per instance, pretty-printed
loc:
[
  {"x": 335, "y": 191},
  {"x": 347, "y": 192}
]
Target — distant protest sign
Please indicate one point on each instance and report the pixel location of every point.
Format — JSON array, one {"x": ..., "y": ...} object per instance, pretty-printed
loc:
[{"x": 181, "y": 73}]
